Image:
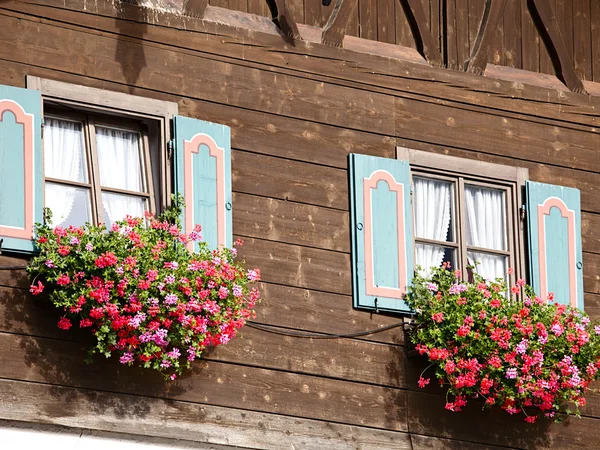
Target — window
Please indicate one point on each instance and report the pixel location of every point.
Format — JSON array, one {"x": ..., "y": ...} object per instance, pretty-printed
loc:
[
  {"x": 465, "y": 213},
  {"x": 107, "y": 154},
  {"x": 104, "y": 153},
  {"x": 96, "y": 168}
]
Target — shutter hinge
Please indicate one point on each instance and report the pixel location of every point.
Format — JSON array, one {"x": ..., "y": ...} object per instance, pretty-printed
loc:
[
  {"x": 170, "y": 148},
  {"x": 523, "y": 213},
  {"x": 43, "y": 124}
]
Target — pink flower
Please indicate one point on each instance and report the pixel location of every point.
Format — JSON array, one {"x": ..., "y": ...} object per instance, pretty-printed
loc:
[
  {"x": 597, "y": 329},
  {"x": 438, "y": 317},
  {"x": 126, "y": 358},
  {"x": 107, "y": 259},
  {"x": 432, "y": 287},
  {"x": 171, "y": 265},
  {"x": 50, "y": 264},
  {"x": 511, "y": 373},
  {"x": 557, "y": 328},
  {"x": 423, "y": 382},
  {"x": 64, "y": 324},
  {"x": 530, "y": 419},
  {"x": 170, "y": 299},
  {"x": 36, "y": 289},
  {"x": 254, "y": 275},
  {"x": 463, "y": 331},
  {"x": 89, "y": 247},
  {"x": 237, "y": 291},
  {"x": 223, "y": 292},
  {"x": 63, "y": 280}
]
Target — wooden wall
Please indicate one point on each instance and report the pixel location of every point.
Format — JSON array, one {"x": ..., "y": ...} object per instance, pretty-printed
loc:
[
  {"x": 454, "y": 25},
  {"x": 295, "y": 113}
]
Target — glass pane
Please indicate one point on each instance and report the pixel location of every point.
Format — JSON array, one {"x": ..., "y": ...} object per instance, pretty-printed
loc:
[
  {"x": 117, "y": 206},
  {"x": 490, "y": 266},
  {"x": 486, "y": 217},
  {"x": 428, "y": 256},
  {"x": 119, "y": 158},
  {"x": 433, "y": 209},
  {"x": 64, "y": 150},
  {"x": 69, "y": 205}
]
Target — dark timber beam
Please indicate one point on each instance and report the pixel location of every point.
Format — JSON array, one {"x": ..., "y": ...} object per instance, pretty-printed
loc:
[
  {"x": 413, "y": 9},
  {"x": 283, "y": 19},
  {"x": 545, "y": 19},
  {"x": 335, "y": 28},
  {"x": 195, "y": 8},
  {"x": 492, "y": 14}
]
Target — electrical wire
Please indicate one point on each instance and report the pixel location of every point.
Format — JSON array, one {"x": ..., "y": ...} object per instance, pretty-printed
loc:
[
  {"x": 298, "y": 334},
  {"x": 311, "y": 335}
]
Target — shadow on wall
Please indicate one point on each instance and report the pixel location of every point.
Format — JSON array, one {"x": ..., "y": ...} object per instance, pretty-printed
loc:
[
  {"x": 32, "y": 348},
  {"x": 426, "y": 414},
  {"x": 131, "y": 23}
]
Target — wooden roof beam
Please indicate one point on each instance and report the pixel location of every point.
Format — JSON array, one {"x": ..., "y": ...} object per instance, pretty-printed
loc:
[{"x": 544, "y": 17}]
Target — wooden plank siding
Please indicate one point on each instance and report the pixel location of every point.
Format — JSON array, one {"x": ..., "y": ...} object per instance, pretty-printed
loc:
[
  {"x": 296, "y": 112},
  {"x": 516, "y": 43}
]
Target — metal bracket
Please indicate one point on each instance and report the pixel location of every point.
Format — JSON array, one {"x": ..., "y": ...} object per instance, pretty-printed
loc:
[
  {"x": 1, "y": 241},
  {"x": 522, "y": 213},
  {"x": 170, "y": 149}
]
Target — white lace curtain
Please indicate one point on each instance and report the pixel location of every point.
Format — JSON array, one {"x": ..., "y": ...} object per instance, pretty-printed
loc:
[
  {"x": 432, "y": 220},
  {"x": 120, "y": 167},
  {"x": 63, "y": 160},
  {"x": 486, "y": 218}
]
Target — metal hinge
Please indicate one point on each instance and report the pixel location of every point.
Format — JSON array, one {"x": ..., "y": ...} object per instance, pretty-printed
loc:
[
  {"x": 523, "y": 213},
  {"x": 170, "y": 149},
  {"x": 43, "y": 124}
]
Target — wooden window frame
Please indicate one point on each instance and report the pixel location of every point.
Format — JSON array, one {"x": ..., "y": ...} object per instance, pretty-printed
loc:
[
  {"x": 124, "y": 106},
  {"x": 90, "y": 121},
  {"x": 463, "y": 171}
]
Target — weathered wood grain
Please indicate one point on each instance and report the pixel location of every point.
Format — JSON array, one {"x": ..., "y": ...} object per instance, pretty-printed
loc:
[
  {"x": 289, "y": 222},
  {"x": 595, "y": 38},
  {"x": 582, "y": 43},
  {"x": 299, "y": 266},
  {"x": 49, "y": 361},
  {"x": 122, "y": 413},
  {"x": 289, "y": 180},
  {"x": 426, "y": 415},
  {"x": 209, "y": 81},
  {"x": 302, "y": 55},
  {"x": 513, "y": 35},
  {"x": 447, "y": 125},
  {"x": 530, "y": 40},
  {"x": 591, "y": 273},
  {"x": 432, "y": 443},
  {"x": 322, "y": 312},
  {"x": 343, "y": 359}
]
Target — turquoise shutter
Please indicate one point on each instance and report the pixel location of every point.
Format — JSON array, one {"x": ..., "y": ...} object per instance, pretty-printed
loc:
[
  {"x": 382, "y": 237},
  {"x": 20, "y": 167},
  {"x": 203, "y": 177},
  {"x": 554, "y": 224}
]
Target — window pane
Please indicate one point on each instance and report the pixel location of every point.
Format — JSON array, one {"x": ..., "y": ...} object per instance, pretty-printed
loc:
[
  {"x": 490, "y": 266},
  {"x": 117, "y": 206},
  {"x": 119, "y": 158},
  {"x": 486, "y": 217},
  {"x": 433, "y": 209},
  {"x": 69, "y": 205},
  {"x": 64, "y": 150},
  {"x": 428, "y": 256}
]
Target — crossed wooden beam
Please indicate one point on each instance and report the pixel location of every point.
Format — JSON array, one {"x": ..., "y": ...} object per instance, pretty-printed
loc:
[{"x": 335, "y": 29}]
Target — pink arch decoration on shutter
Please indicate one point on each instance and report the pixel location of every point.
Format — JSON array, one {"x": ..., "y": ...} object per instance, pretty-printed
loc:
[
  {"x": 371, "y": 183},
  {"x": 27, "y": 120},
  {"x": 544, "y": 210},
  {"x": 193, "y": 146}
]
